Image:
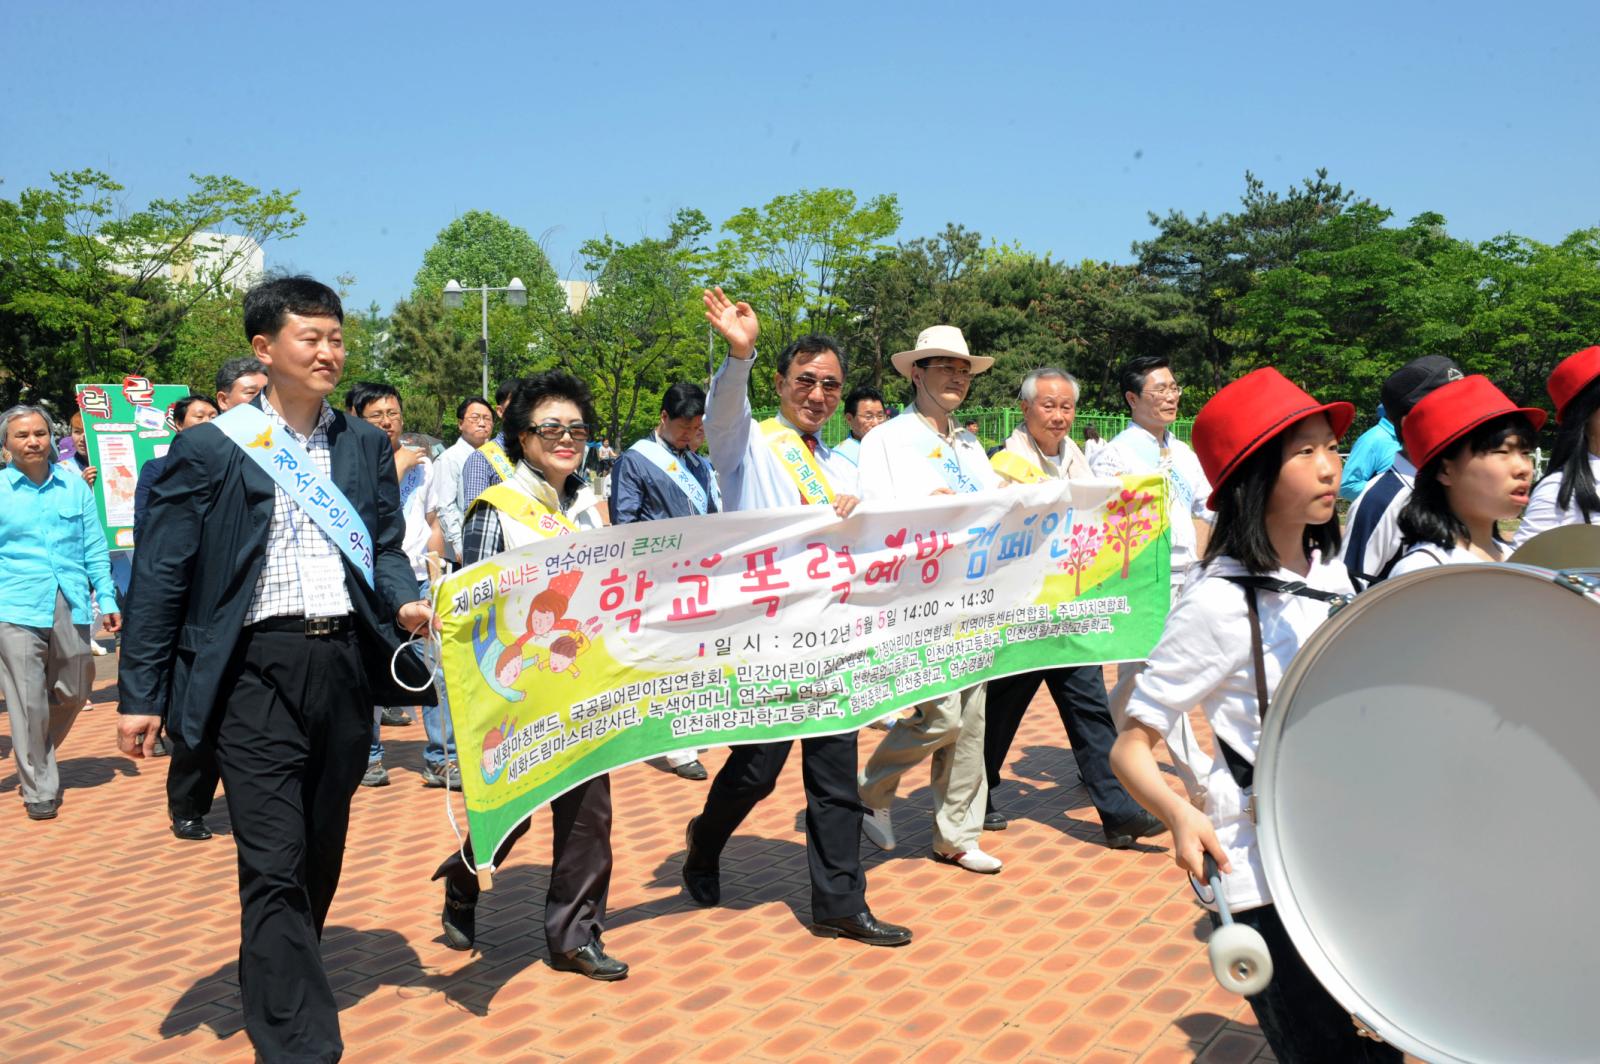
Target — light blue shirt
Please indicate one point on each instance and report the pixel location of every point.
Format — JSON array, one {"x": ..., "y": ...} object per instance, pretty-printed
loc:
[
  {"x": 751, "y": 476},
  {"x": 50, "y": 539},
  {"x": 849, "y": 449},
  {"x": 1372, "y": 455}
]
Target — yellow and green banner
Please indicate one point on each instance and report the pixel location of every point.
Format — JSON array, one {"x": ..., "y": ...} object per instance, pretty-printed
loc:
[{"x": 582, "y": 653}]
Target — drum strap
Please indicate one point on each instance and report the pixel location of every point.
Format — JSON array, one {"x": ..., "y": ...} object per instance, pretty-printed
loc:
[{"x": 1242, "y": 771}]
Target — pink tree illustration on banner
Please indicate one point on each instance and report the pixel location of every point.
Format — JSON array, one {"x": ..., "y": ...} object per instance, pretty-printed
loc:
[
  {"x": 1129, "y": 521},
  {"x": 1082, "y": 547}
]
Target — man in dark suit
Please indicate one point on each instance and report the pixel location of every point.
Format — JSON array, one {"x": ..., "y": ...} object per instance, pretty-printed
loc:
[
  {"x": 191, "y": 773},
  {"x": 661, "y": 476},
  {"x": 260, "y": 634}
]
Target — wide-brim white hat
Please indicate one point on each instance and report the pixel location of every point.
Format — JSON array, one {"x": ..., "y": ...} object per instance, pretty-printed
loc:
[{"x": 936, "y": 341}]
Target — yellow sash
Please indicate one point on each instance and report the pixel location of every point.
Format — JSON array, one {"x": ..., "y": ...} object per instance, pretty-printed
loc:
[
  {"x": 1014, "y": 467},
  {"x": 798, "y": 461},
  {"x": 545, "y": 521},
  {"x": 497, "y": 459}
]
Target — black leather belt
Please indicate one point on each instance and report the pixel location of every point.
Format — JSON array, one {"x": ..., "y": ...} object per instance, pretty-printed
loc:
[{"x": 307, "y": 626}]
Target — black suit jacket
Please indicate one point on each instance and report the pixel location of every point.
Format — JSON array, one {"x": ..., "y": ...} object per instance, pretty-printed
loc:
[{"x": 201, "y": 549}]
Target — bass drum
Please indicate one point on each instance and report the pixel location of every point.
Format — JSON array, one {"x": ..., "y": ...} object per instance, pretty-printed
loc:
[{"x": 1428, "y": 796}]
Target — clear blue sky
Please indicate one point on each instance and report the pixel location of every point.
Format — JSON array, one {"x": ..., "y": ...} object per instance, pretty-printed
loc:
[{"x": 1056, "y": 125}]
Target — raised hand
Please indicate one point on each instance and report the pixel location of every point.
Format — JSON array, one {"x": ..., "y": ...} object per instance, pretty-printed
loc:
[{"x": 737, "y": 322}]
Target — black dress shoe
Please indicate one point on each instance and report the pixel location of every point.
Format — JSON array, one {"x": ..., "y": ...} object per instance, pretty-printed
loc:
[
  {"x": 460, "y": 914},
  {"x": 703, "y": 883},
  {"x": 192, "y": 828},
  {"x": 694, "y": 770},
  {"x": 45, "y": 810},
  {"x": 1123, "y": 835},
  {"x": 863, "y": 927},
  {"x": 590, "y": 960},
  {"x": 994, "y": 820}
]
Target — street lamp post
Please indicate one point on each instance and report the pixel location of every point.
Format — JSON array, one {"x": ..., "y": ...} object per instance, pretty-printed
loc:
[{"x": 455, "y": 295}]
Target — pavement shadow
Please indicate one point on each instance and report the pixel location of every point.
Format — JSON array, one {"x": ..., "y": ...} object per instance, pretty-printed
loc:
[
  {"x": 213, "y": 1001},
  {"x": 81, "y": 773},
  {"x": 1201, "y": 1028},
  {"x": 1046, "y": 795},
  {"x": 508, "y": 948}
]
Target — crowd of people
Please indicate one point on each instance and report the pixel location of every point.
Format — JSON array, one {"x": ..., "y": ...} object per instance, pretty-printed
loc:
[{"x": 285, "y": 550}]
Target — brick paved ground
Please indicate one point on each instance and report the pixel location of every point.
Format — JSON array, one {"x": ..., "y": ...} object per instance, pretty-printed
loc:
[{"x": 119, "y": 940}]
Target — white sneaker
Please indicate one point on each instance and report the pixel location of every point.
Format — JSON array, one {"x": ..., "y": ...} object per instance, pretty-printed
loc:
[
  {"x": 972, "y": 861},
  {"x": 97, "y": 650},
  {"x": 877, "y": 827}
]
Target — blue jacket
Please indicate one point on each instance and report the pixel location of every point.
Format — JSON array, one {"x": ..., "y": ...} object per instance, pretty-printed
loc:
[
  {"x": 642, "y": 492},
  {"x": 1371, "y": 456}
]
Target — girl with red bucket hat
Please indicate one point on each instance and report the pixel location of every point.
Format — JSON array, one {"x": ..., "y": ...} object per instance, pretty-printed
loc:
[
  {"x": 1268, "y": 579},
  {"x": 1474, "y": 453},
  {"x": 1567, "y": 495}
]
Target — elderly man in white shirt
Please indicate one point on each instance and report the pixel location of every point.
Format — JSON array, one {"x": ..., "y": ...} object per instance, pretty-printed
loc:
[
  {"x": 475, "y": 419},
  {"x": 781, "y": 463},
  {"x": 924, "y": 452},
  {"x": 1149, "y": 446}
]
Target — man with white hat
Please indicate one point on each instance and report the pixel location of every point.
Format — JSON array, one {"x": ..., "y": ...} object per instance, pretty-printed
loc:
[{"x": 924, "y": 452}]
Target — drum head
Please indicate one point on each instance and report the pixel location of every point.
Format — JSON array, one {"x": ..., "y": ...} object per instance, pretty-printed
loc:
[
  {"x": 1428, "y": 790},
  {"x": 1566, "y": 547}
]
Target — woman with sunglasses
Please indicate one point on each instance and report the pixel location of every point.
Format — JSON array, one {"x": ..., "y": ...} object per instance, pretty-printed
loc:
[
  {"x": 1266, "y": 582},
  {"x": 547, "y": 427}
]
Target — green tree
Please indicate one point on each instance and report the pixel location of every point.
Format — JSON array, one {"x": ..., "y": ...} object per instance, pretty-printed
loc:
[
  {"x": 88, "y": 289},
  {"x": 424, "y": 355},
  {"x": 644, "y": 328},
  {"x": 481, "y": 248},
  {"x": 1214, "y": 262},
  {"x": 792, "y": 260}
]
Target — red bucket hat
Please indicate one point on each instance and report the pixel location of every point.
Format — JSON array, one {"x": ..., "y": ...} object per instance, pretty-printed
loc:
[
  {"x": 1449, "y": 413},
  {"x": 1248, "y": 413},
  {"x": 1572, "y": 376}
]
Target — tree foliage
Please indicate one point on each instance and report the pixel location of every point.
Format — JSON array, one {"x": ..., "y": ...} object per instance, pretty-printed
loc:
[{"x": 89, "y": 289}]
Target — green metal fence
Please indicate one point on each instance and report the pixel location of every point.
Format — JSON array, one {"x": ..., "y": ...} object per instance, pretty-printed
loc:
[{"x": 997, "y": 423}]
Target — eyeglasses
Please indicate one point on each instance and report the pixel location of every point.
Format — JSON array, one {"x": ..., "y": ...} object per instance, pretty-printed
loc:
[
  {"x": 871, "y": 417},
  {"x": 479, "y": 419},
  {"x": 551, "y": 431},
  {"x": 959, "y": 369},
  {"x": 384, "y": 417},
  {"x": 805, "y": 384},
  {"x": 1162, "y": 391}
]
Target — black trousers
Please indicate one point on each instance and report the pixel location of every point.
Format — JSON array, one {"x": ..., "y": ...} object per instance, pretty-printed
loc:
[
  {"x": 191, "y": 778},
  {"x": 833, "y": 814},
  {"x": 292, "y": 745},
  {"x": 1080, "y": 696},
  {"x": 1302, "y": 1021},
  {"x": 580, "y": 865}
]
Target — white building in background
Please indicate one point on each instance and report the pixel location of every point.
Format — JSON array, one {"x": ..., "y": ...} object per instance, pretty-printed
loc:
[
  {"x": 578, "y": 293},
  {"x": 239, "y": 260}
]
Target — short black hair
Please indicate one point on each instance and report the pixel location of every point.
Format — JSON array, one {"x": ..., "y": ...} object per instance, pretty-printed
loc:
[
  {"x": 1240, "y": 530},
  {"x": 235, "y": 368},
  {"x": 180, "y": 409},
  {"x": 534, "y": 390},
  {"x": 1136, "y": 370},
  {"x": 502, "y": 393},
  {"x": 684, "y": 400},
  {"x": 363, "y": 393},
  {"x": 1569, "y": 458},
  {"x": 461, "y": 407},
  {"x": 859, "y": 394},
  {"x": 270, "y": 302},
  {"x": 1426, "y": 516},
  {"x": 810, "y": 344}
]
